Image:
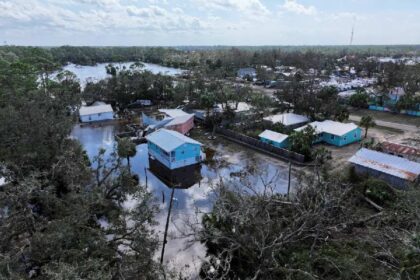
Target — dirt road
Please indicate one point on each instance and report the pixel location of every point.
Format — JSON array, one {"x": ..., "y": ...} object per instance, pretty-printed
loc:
[{"x": 400, "y": 126}]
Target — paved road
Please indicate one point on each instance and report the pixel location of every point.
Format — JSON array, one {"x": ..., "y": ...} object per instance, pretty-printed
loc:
[{"x": 404, "y": 127}]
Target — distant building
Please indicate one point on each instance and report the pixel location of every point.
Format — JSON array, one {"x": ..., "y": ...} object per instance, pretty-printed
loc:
[
  {"x": 240, "y": 107},
  {"x": 140, "y": 103},
  {"x": 394, "y": 170},
  {"x": 276, "y": 139},
  {"x": 247, "y": 73},
  {"x": 99, "y": 111},
  {"x": 335, "y": 133},
  {"x": 289, "y": 120},
  {"x": 173, "y": 149},
  {"x": 174, "y": 119},
  {"x": 408, "y": 152}
]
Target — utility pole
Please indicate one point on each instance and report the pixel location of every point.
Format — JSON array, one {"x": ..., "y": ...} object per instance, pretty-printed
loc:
[
  {"x": 167, "y": 225},
  {"x": 288, "y": 183}
]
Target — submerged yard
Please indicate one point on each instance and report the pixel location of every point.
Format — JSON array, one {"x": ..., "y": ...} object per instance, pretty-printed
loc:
[{"x": 231, "y": 162}]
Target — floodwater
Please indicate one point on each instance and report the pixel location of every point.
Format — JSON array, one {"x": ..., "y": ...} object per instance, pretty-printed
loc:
[
  {"x": 232, "y": 163},
  {"x": 98, "y": 72}
]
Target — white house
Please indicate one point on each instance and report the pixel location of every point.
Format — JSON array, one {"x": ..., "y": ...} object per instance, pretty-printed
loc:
[
  {"x": 288, "y": 119},
  {"x": 96, "y": 112}
]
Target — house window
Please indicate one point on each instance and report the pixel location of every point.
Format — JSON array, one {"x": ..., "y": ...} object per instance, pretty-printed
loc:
[
  {"x": 355, "y": 135},
  {"x": 345, "y": 138},
  {"x": 99, "y": 114},
  {"x": 173, "y": 154},
  {"x": 332, "y": 137}
]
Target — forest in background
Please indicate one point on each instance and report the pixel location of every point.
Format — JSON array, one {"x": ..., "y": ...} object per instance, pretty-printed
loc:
[{"x": 337, "y": 226}]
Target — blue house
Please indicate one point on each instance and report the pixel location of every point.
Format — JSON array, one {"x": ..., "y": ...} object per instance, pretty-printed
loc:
[
  {"x": 335, "y": 133},
  {"x": 173, "y": 149},
  {"x": 97, "y": 112},
  {"x": 274, "y": 138}
]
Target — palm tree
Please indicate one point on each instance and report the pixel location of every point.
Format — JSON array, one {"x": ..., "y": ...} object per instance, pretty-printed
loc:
[
  {"x": 367, "y": 122},
  {"x": 126, "y": 149}
]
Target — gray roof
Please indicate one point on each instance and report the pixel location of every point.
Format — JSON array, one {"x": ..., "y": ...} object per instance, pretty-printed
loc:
[
  {"x": 169, "y": 140},
  {"x": 385, "y": 163},
  {"x": 273, "y": 136},
  {"x": 287, "y": 119},
  {"x": 331, "y": 127},
  {"x": 95, "y": 109}
]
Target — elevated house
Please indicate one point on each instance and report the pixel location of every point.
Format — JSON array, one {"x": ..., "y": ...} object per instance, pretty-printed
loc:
[
  {"x": 289, "y": 120},
  {"x": 394, "y": 170},
  {"x": 173, "y": 149},
  {"x": 173, "y": 119},
  {"x": 335, "y": 133},
  {"x": 404, "y": 151},
  {"x": 99, "y": 111},
  {"x": 276, "y": 139}
]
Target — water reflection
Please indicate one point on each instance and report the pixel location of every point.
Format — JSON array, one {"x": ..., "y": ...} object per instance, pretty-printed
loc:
[
  {"x": 180, "y": 178},
  {"x": 194, "y": 194}
]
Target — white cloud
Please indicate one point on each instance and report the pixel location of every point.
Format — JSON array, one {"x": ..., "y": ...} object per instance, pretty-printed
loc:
[
  {"x": 248, "y": 7},
  {"x": 294, "y": 7}
]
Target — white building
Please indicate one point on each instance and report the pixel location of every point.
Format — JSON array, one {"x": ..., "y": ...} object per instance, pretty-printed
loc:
[
  {"x": 98, "y": 112},
  {"x": 288, "y": 119}
]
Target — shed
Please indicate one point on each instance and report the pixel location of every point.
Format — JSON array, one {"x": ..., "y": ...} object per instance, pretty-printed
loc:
[
  {"x": 276, "y": 139},
  {"x": 173, "y": 149},
  {"x": 405, "y": 151},
  {"x": 394, "y": 170},
  {"x": 290, "y": 120},
  {"x": 98, "y": 112}
]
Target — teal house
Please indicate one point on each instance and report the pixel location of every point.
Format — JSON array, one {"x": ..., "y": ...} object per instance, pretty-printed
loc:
[
  {"x": 173, "y": 149},
  {"x": 335, "y": 133},
  {"x": 274, "y": 138}
]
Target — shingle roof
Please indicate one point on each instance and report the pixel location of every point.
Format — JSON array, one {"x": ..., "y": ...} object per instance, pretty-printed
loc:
[
  {"x": 169, "y": 140},
  {"x": 385, "y": 163},
  {"x": 287, "y": 119},
  {"x": 273, "y": 136},
  {"x": 97, "y": 109},
  {"x": 331, "y": 127}
]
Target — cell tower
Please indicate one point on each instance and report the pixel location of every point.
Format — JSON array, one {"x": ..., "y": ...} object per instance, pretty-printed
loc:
[{"x": 352, "y": 31}]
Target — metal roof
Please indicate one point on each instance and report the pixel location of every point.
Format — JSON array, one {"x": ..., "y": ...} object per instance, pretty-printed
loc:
[
  {"x": 400, "y": 149},
  {"x": 331, "y": 127},
  {"x": 96, "y": 109},
  {"x": 273, "y": 136},
  {"x": 169, "y": 140},
  {"x": 180, "y": 120},
  {"x": 287, "y": 119},
  {"x": 173, "y": 113},
  {"x": 385, "y": 163}
]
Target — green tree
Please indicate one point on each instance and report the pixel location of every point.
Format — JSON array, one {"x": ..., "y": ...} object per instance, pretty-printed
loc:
[
  {"x": 359, "y": 100},
  {"x": 126, "y": 149},
  {"x": 367, "y": 122},
  {"x": 301, "y": 141}
]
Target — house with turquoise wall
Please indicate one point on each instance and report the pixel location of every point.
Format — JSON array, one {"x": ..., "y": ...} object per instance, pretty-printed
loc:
[
  {"x": 335, "y": 133},
  {"x": 173, "y": 149},
  {"x": 274, "y": 138}
]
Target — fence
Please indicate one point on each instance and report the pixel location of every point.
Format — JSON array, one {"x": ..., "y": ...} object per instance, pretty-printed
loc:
[{"x": 254, "y": 143}]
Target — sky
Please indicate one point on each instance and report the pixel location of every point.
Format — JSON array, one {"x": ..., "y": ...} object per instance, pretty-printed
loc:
[{"x": 208, "y": 22}]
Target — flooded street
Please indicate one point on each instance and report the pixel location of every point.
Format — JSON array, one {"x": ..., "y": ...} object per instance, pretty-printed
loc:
[{"x": 231, "y": 162}]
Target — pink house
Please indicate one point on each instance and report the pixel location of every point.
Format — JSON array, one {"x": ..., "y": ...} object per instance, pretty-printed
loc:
[{"x": 182, "y": 124}]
